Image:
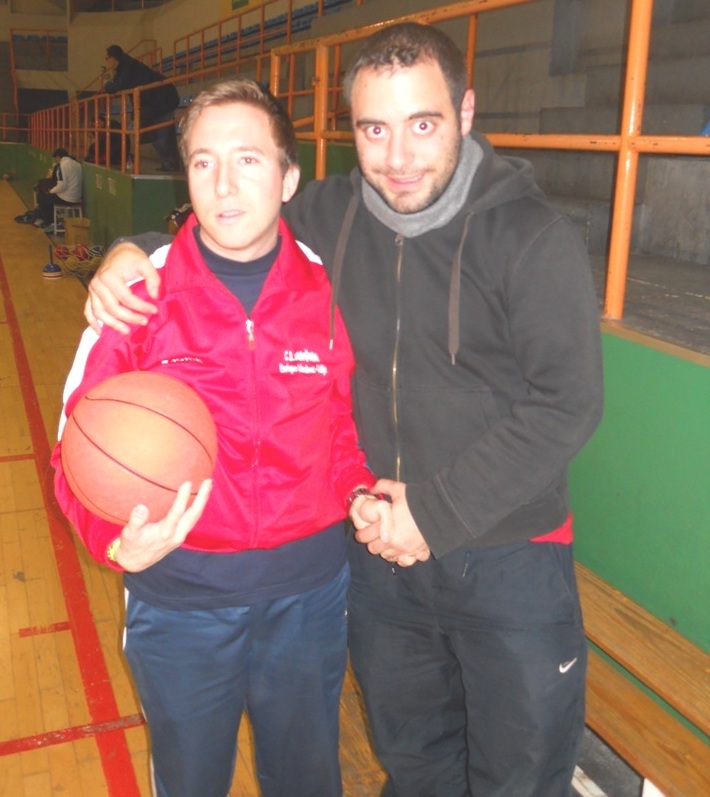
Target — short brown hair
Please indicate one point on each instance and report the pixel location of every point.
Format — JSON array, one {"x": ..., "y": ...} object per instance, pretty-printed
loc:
[
  {"x": 406, "y": 44},
  {"x": 250, "y": 93}
]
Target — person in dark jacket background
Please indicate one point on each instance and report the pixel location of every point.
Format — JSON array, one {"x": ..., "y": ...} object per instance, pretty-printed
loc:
[
  {"x": 470, "y": 304},
  {"x": 158, "y": 104}
]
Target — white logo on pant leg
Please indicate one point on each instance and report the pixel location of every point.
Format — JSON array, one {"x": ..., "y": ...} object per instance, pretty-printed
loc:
[{"x": 567, "y": 665}]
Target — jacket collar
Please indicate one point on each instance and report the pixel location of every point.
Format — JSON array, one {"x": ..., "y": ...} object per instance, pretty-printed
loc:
[{"x": 187, "y": 268}]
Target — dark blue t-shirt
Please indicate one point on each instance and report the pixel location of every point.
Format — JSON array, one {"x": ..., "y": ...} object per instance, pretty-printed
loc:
[{"x": 195, "y": 580}]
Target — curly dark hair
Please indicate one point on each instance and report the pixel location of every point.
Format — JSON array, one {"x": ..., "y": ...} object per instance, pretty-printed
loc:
[{"x": 406, "y": 44}]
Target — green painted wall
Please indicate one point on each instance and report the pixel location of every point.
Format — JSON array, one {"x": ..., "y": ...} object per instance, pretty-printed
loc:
[
  {"x": 340, "y": 159},
  {"x": 154, "y": 198},
  {"x": 120, "y": 204},
  {"x": 641, "y": 486},
  {"x": 117, "y": 204},
  {"x": 22, "y": 162}
]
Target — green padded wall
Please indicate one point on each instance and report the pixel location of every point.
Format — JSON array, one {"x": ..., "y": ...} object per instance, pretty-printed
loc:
[
  {"x": 641, "y": 486},
  {"x": 120, "y": 204}
]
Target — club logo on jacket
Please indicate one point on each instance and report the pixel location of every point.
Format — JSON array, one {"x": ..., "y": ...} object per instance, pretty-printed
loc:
[{"x": 302, "y": 362}]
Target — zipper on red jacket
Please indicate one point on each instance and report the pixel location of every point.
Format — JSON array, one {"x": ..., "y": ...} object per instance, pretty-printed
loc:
[
  {"x": 399, "y": 242},
  {"x": 251, "y": 346}
]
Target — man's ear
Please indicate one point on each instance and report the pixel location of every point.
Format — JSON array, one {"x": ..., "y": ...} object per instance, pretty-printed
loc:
[
  {"x": 467, "y": 111},
  {"x": 290, "y": 182}
]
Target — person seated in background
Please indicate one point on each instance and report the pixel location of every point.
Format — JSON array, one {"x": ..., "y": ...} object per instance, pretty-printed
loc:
[
  {"x": 67, "y": 191},
  {"x": 42, "y": 186}
]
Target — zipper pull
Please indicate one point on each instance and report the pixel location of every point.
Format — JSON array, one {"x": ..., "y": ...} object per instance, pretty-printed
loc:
[{"x": 250, "y": 334}]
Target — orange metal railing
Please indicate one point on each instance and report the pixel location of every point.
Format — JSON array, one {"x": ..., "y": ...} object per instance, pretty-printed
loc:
[
  {"x": 320, "y": 115},
  {"x": 325, "y": 111},
  {"x": 247, "y": 31},
  {"x": 34, "y": 42},
  {"x": 13, "y": 76},
  {"x": 75, "y": 123},
  {"x": 13, "y": 127},
  {"x": 123, "y": 5}
]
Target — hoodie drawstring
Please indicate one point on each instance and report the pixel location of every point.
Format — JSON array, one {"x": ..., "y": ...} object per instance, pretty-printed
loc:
[
  {"x": 455, "y": 296},
  {"x": 454, "y": 287},
  {"x": 338, "y": 258}
]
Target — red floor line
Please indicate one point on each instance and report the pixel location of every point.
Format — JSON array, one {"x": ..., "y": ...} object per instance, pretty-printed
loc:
[
  {"x": 113, "y": 748},
  {"x": 17, "y": 458},
  {"x": 37, "y": 630},
  {"x": 65, "y": 735}
]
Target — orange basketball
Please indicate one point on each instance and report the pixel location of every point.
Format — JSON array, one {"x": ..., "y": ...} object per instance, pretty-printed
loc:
[{"x": 134, "y": 439}]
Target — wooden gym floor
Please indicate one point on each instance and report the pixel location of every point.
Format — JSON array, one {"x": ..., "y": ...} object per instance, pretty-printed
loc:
[{"x": 70, "y": 721}]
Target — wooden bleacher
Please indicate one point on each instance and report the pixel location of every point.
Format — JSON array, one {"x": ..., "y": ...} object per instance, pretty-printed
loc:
[{"x": 624, "y": 713}]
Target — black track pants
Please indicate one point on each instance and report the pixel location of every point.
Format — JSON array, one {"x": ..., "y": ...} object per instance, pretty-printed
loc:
[{"x": 472, "y": 669}]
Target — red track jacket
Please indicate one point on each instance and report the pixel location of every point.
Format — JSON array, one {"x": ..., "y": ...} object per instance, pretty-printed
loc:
[{"x": 277, "y": 385}]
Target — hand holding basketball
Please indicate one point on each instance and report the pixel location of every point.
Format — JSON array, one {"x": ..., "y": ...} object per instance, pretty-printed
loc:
[{"x": 143, "y": 543}]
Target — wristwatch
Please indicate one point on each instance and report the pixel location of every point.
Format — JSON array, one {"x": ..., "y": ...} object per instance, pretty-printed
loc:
[
  {"x": 112, "y": 550},
  {"x": 356, "y": 493}
]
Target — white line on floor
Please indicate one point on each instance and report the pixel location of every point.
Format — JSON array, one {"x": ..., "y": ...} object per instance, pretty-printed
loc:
[{"x": 584, "y": 786}]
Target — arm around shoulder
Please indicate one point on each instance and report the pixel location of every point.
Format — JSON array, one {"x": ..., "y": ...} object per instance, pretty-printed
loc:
[{"x": 110, "y": 300}]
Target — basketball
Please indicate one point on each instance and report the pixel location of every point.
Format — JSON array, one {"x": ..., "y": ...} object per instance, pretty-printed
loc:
[{"x": 134, "y": 439}]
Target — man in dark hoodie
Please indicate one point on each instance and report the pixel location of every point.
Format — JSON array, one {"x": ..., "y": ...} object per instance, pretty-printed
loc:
[
  {"x": 473, "y": 318},
  {"x": 158, "y": 104}
]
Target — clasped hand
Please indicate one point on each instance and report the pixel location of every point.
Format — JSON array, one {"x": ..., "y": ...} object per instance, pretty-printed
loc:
[{"x": 389, "y": 530}]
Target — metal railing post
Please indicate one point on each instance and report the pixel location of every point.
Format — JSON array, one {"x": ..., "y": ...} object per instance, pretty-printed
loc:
[
  {"x": 320, "y": 109},
  {"x": 627, "y": 163}
]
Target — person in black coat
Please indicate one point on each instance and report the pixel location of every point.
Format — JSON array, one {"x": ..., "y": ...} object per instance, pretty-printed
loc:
[{"x": 158, "y": 103}]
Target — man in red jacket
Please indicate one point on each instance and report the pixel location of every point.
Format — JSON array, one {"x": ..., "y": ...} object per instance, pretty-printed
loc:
[{"x": 239, "y": 601}]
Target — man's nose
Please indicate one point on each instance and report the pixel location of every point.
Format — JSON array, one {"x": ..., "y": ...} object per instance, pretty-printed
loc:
[
  {"x": 226, "y": 181},
  {"x": 398, "y": 150}
]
